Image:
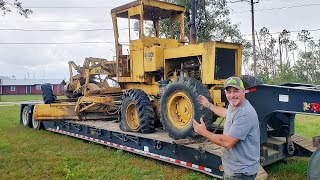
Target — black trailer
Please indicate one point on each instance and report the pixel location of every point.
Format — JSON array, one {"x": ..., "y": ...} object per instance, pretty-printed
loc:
[{"x": 276, "y": 107}]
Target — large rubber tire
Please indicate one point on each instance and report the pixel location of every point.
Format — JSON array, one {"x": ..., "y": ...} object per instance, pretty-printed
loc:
[
  {"x": 137, "y": 102},
  {"x": 250, "y": 81},
  {"x": 179, "y": 106},
  {"x": 26, "y": 116},
  {"x": 313, "y": 166},
  {"x": 37, "y": 125},
  {"x": 47, "y": 94}
]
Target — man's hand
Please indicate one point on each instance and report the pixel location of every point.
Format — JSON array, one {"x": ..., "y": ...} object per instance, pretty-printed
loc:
[
  {"x": 203, "y": 101},
  {"x": 199, "y": 128}
]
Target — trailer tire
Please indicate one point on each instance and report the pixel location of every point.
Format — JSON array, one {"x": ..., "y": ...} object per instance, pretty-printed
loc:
[
  {"x": 26, "y": 116},
  {"x": 47, "y": 94},
  {"x": 179, "y": 106},
  {"x": 37, "y": 125},
  {"x": 136, "y": 113},
  {"x": 250, "y": 81}
]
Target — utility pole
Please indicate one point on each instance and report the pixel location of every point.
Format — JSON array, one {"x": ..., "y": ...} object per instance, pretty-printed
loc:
[{"x": 254, "y": 56}]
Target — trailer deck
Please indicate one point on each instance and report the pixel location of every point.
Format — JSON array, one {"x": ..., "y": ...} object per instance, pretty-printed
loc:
[{"x": 196, "y": 154}]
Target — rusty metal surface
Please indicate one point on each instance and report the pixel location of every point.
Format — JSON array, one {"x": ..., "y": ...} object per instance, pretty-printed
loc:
[
  {"x": 125, "y": 6},
  {"x": 152, "y": 10},
  {"x": 316, "y": 141},
  {"x": 303, "y": 143}
]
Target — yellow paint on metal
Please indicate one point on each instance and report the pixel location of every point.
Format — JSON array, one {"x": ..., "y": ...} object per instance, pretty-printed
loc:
[
  {"x": 183, "y": 51},
  {"x": 44, "y": 112},
  {"x": 215, "y": 94},
  {"x": 180, "y": 110},
  {"x": 153, "y": 58},
  {"x": 163, "y": 5},
  {"x": 151, "y": 89},
  {"x": 132, "y": 118},
  {"x": 137, "y": 10},
  {"x": 137, "y": 68}
]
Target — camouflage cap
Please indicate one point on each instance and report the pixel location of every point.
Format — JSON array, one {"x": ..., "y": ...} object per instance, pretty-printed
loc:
[{"x": 233, "y": 82}]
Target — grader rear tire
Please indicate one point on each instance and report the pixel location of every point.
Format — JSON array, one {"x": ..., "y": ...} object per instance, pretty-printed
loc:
[
  {"x": 179, "y": 106},
  {"x": 136, "y": 113},
  {"x": 47, "y": 94},
  {"x": 250, "y": 81}
]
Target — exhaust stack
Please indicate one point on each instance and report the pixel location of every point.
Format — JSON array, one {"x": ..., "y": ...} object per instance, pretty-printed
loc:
[{"x": 192, "y": 24}]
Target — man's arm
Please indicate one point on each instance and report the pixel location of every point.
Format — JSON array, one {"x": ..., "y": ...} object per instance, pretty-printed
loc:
[
  {"x": 220, "y": 111},
  {"x": 219, "y": 139}
]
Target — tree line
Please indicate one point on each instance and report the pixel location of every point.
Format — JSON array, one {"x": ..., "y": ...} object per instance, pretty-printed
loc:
[{"x": 285, "y": 58}]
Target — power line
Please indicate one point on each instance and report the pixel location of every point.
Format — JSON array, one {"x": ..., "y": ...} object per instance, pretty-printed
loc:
[
  {"x": 68, "y": 7},
  {"x": 294, "y": 31},
  {"x": 279, "y": 8},
  {"x": 80, "y": 21},
  {"x": 47, "y": 43},
  {"x": 58, "y": 30},
  {"x": 231, "y": 2}
]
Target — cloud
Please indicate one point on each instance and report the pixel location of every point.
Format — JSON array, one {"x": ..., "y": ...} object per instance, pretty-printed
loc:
[{"x": 51, "y": 60}]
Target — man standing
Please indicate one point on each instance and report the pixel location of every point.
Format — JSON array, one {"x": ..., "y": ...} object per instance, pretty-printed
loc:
[{"x": 240, "y": 140}]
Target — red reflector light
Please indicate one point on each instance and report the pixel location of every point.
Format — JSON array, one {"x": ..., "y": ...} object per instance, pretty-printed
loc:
[{"x": 252, "y": 90}]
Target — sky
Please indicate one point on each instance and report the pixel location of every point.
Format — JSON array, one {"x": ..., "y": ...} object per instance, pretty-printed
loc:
[{"x": 28, "y": 50}]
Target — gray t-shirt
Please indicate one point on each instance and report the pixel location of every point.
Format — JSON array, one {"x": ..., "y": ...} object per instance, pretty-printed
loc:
[{"x": 242, "y": 123}]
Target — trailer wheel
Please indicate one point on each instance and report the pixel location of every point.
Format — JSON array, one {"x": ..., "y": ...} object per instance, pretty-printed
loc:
[
  {"x": 26, "y": 116},
  {"x": 47, "y": 94},
  {"x": 179, "y": 106},
  {"x": 250, "y": 81},
  {"x": 136, "y": 113},
  {"x": 36, "y": 124}
]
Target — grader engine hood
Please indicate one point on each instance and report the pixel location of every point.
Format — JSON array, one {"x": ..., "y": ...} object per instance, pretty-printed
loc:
[{"x": 218, "y": 60}]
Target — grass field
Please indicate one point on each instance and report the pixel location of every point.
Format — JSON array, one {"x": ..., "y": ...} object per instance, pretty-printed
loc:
[
  {"x": 29, "y": 154},
  {"x": 16, "y": 98}
]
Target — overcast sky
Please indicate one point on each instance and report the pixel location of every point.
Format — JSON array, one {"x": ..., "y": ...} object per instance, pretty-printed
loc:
[{"x": 50, "y": 61}]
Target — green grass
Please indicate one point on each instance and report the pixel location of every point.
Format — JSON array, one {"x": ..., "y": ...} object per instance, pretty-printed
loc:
[
  {"x": 306, "y": 126},
  {"x": 29, "y": 154},
  {"x": 16, "y": 98}
]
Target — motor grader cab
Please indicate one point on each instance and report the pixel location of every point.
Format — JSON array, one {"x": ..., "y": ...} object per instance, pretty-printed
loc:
[
  {"x": 164, "y": 75},
  {"x": 91, "y": 79}
]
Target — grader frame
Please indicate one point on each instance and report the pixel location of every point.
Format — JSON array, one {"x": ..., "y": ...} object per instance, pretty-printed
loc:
[{"x": 153, "y": 61}]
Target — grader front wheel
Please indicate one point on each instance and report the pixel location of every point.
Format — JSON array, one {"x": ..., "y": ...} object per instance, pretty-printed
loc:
[
  {"x": 179, "y": 106},
  {"x": 132, "y": 118},
  {"x": 180, "y": 109},
  {"x": 136, "y": 112}
]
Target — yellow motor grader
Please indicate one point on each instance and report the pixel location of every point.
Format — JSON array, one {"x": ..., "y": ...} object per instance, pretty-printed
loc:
[
  {"x": 163, "y": 76},
  {"x": 160, "y": 77},
  {"x": 158, "y": 81}
]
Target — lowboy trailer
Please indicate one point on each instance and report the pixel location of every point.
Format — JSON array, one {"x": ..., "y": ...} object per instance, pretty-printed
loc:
[{"x": 276, "y": 107}]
